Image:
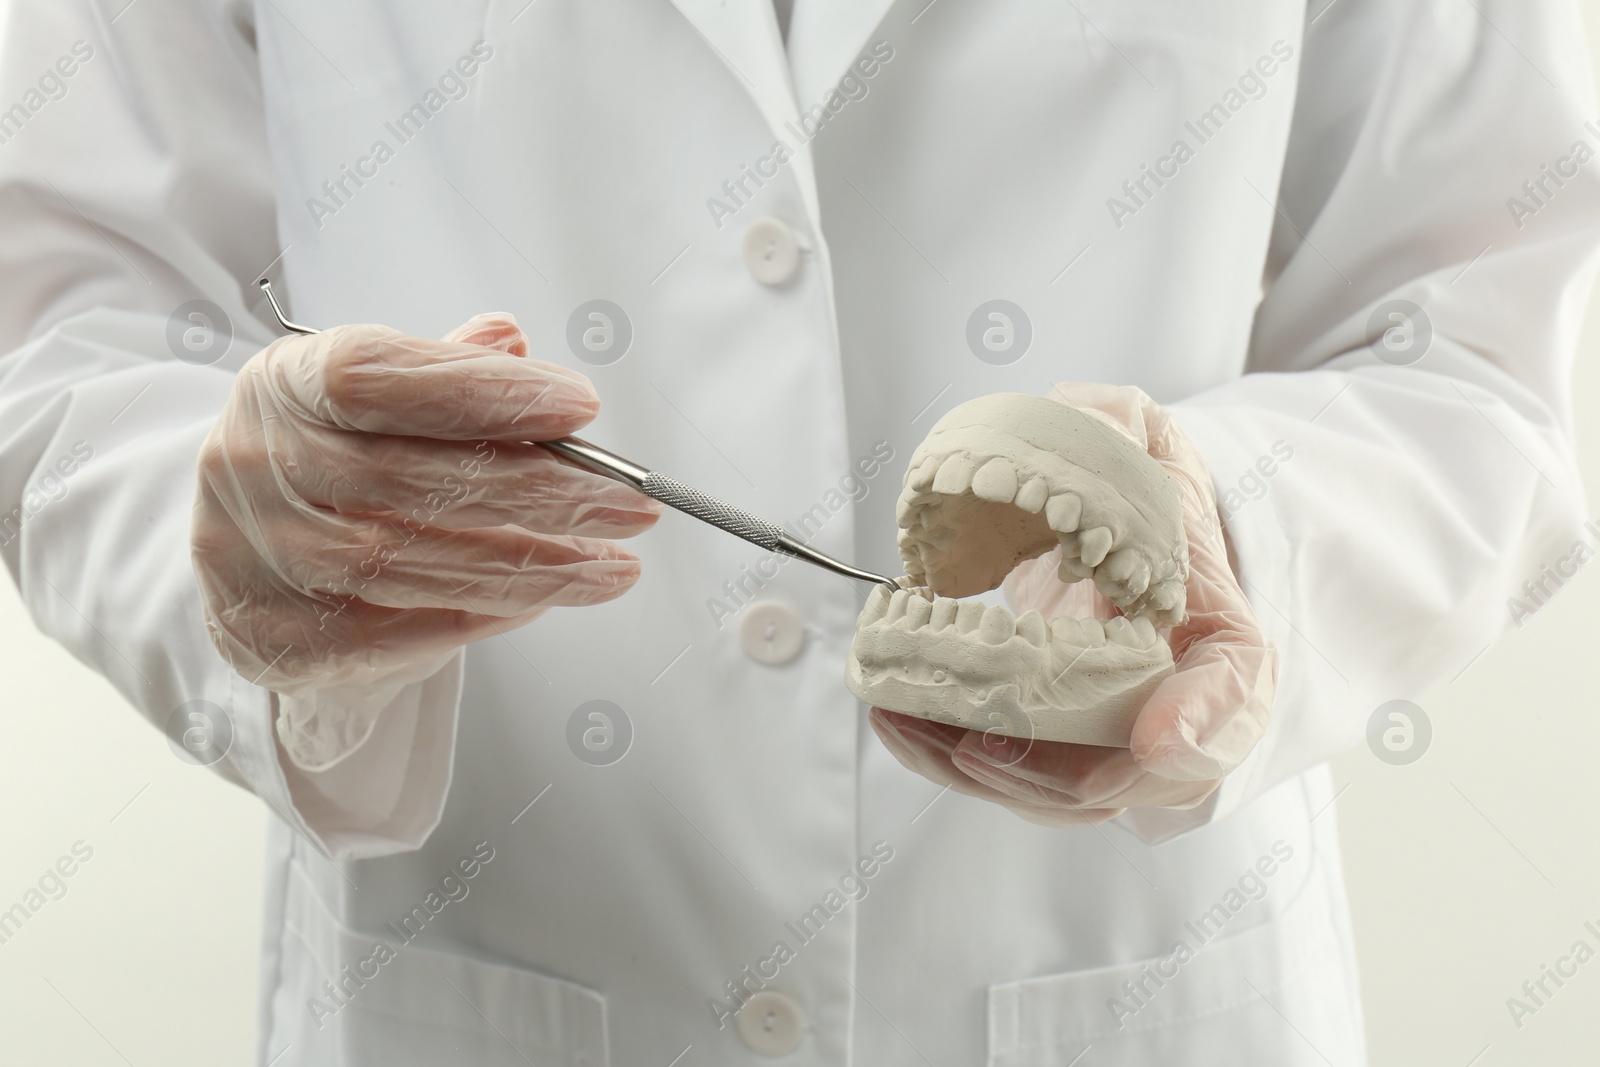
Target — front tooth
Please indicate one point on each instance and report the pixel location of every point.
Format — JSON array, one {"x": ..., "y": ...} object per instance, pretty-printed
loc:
[
  {"x": 1126, "y": 570},
  {"x": 918, "y": 609},
  {"x": 995, "y": 481},
  {"x": 969, "y": 613},
  {"x": 921, "y": 479},
  {"x": 998, "y": 626},
  {"x": 897, "y": 605},
  {"x": 1066, "y": 629},
  {"x": 1145, "y": 631},
  {"x": 877, "y": 604},
  {"x": 905, "y": 512},
  {"x": 955, "y": 475},
  {"x": 1121, "y": 631},
  {"x": 1063, "y": 512},
  {"x": 944, "y": 613},
  {"x": 1094, "y": 632},
  {"x": 1033, "y": 494},
  {"x": 1030, "y": 624},
  {"x": 1093, "y": 545}
]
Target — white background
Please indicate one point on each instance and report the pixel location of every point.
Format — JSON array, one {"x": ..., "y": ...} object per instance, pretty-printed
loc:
[{"x": 1468, "y": 870}]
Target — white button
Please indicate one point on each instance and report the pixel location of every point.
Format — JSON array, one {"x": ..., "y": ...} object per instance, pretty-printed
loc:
[
  {"x": 771, "y": 252},
  {"x": 771, "y": 632},
  {"x": 771, "y": 1024}
]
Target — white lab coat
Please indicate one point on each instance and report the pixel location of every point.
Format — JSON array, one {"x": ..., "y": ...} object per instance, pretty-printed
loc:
[{"x": 1376, "y": 163}]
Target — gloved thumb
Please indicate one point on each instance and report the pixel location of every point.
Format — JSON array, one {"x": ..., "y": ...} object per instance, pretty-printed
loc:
[{"x": 492, "y": 329}]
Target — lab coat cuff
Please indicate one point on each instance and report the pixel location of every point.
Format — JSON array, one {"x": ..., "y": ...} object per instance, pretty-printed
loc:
[
  {"x": 322, "y": 728},
  {"x": 1260, "y": 553},
  {"x": 383, "y": 796}
]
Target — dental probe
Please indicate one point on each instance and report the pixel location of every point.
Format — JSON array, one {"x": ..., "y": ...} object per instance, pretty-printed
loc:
[{"x": 669, "y": 491}]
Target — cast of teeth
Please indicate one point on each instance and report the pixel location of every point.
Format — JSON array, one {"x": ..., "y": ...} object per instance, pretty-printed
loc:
[
  {"x": 1003, "y": 479},
  {"x": 1137, "y": 580},
  {"x": 918, "y": 609}
]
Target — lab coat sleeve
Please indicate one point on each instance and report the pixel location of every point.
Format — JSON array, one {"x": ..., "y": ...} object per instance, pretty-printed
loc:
[
  {"x": 1386, "y": 514},
  {"x": 134, "y": 179}
]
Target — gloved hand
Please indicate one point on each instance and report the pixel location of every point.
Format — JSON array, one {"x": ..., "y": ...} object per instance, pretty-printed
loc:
[
  {"x": 1197, "y": 726},
  {"x": 366, "y": 506}
]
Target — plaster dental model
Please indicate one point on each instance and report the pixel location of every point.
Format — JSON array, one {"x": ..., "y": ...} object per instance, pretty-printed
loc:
[{"x": 978, "y": 500}]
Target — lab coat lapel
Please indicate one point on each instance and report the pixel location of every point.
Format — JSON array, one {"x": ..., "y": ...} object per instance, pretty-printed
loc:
[
  {"x": 825, "y": 37},
  {"x": 744, "y": 34}
]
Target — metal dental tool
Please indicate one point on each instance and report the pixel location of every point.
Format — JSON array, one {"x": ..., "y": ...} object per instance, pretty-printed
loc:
[{"x": 669, "y": 491}]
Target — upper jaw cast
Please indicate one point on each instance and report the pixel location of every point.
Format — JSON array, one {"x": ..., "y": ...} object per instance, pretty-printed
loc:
[{"x": 978, "y": 500}]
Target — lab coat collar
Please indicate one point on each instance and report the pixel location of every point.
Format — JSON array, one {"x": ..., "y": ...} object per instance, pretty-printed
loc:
[
  {"x": 825, "y": 37},
  {"x": 745, "y": 37}
]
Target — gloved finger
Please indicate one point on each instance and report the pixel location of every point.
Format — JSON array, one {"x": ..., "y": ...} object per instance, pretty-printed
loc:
[
  {"x": 1200, "y": 722},
  {"x": 926, "y": 748},
  {"x": 494, "y": 329},
  {"x": 372, "y": 378},
  {"x": 1048, "y": 773},
  {"x": 499, "y": 571},
  {"x": 276, "y": 635},
  {"x": 357, "y": 636},
  {"x": 295, "y": 644},
  {"x": 1063, "y": 818},
  {"x": 460, "y": 485}
]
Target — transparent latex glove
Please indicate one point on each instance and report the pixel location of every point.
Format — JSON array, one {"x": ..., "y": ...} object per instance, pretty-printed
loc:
[
  {"x": 1196, "y": 727},
  {"x": 368, "y": 503}
]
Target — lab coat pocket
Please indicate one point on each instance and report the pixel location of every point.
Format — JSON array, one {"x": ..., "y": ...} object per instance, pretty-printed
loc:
[
  {"x": 344, "y": 999},
  {"x": 1279, "y": 993}
]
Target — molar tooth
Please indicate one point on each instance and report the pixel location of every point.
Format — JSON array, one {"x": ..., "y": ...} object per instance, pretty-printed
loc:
[
  {"x": 921, "y": 479},
  {"x": 1145, "y": 631},
  {"x": 1033, "y": 494},
  {"x": 1120, "y": 631},
  {"x": 897, "y": 605},
  {"x": 1165, "y": 596},
  {"x": 969, "y": 613},
  {"x": 1072, "y": 570},
  {"x": 1030, "y": 624},
  {"x": 998, "y": 626},
  {"x": 995, "y": 481},
  {"x": 1123, "y": 573},
  {"x": 944, "y": 613},
  {"x": 955, "y": 475},
  {"x": 877, "y": 604},
  {"x": 1063, "y": 512},
  {"x": 918, "y": 609},
  {"x": 1093, "y": 545}
]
